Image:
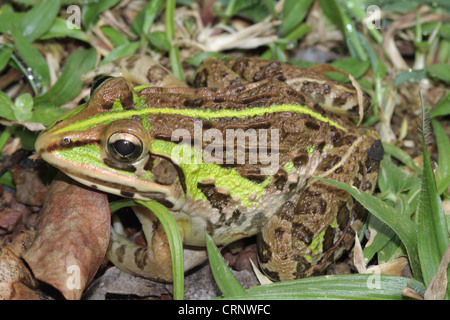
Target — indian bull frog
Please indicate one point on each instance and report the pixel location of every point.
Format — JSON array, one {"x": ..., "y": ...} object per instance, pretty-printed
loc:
[{"x": 233, "y": 157}]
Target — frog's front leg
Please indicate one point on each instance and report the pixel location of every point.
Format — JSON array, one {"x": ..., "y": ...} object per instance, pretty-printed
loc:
[
  {"x": 309, "y": 231},
  {"x": 153, "y": 261}
]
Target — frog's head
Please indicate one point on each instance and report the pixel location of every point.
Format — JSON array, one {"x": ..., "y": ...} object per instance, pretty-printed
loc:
[{"x": 104, "y": 144}]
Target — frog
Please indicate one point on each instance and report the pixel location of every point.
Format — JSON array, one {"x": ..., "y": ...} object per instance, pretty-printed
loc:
[{"x": 236, "y": 154}]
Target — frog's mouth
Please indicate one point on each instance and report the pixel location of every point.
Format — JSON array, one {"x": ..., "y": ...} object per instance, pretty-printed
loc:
[{"x": 84, "y": 165}]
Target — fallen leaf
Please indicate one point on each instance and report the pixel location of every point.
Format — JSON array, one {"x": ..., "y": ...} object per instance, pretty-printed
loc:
[
  {"x": 16, "y": 281},
  {"x": 72, "y": 237},
  {"x": 8, "y": 220},
  {"x": 438, "y": 286},
  {"x": 358, "y": 257},
  {"x": 394, "y": 267},
  {"x": 30, "y": 189}
]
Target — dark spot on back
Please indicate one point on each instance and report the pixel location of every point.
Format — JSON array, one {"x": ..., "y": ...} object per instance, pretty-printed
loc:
[
  {"x": 217, "y": 199},
  {"x": 286, "y": 211},
  {"x": 270, "y": 71},
  {"x": 310, "y": 203},
  {"x": 302, "y": 233},
  {"x": 279, "y": 232},
  {"x": 345, "y": 141},
  {"x": 280, "y": 178},
  {"x": 328, "y": 239},
  {"x": 254, "y": 176},
  {"x": 219, "y": 98},
  {"x": 300, "y": 160},
  {"x": 343, "y": 215},
  {"x": 193, "y": 103},
  {"x": 312, "y": 125},
  {"x": 329, "y": 162}
]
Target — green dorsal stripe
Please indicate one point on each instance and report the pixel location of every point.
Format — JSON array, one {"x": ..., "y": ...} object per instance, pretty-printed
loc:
[{"x": 208, "y": 115}]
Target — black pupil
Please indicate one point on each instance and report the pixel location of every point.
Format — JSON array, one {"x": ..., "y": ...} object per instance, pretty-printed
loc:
[{"x": 124, "y": 147}]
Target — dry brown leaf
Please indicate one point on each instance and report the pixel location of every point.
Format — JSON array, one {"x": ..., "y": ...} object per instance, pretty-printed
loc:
[
  {"x": 16, "y": 281},
  {"x": 394, "y": 267},
  {"x": 438, "y": 286},
  {"x": 12, "y": 146},
  {"x": 30, "y": 189},
  {"x": 358, "y": 256},
  {"x": 72, "y": 237}
]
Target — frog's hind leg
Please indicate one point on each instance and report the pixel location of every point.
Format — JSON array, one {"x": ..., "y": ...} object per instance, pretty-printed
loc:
[
  {"x": 302, "y": 231},
  {"x": 151, "y": 262},
  {"x": 140, "y": 70},
  {"x": 312, "y": 229}
]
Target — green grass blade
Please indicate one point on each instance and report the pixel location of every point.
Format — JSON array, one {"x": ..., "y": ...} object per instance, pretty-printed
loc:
[
  {"x": 383, "y": 236},
  {"x": 6, "y": 107},
  {"x": 151, "y": 12},
  {"x": 401, "y": 155},
  {"x": 432, "y": 226},
  {"x": 443, "y": 145},
  {"x": 228, "y": 284},
  {"x": 119, "y": 204},
  {"x": 353, "y": 286},
  {"x": 123, "y": 50},
  {"x": 5, "y": 55},
  {"x": 443, "y": 107},
  {"x": 32, "y": 58},
  {"x": 174, "y": 54},
  {"x": 59, "y": 30},
  {"x": 293, "y": 13},
  {"x": 39, "y": 19},
  {"x": 170, "y": 226},
  {"x": 401, "y": 225},
  {"x": 440, "y": 71},
  {"x": 92, "y": 11},
  {"x": 69, "y": 84}
]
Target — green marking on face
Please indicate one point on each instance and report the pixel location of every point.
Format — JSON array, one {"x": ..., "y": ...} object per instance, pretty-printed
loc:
[
  {"x": 194, "y": 173},
  {"x": 139, "y": 104},
  {"x": 142, "y": 110},
  {"x": 87, "y": 155}
]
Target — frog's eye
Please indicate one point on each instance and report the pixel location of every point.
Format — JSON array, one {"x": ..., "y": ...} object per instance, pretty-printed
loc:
[
  {"x": 98, "y": 80},
  {"x": 124, "y": 146}
]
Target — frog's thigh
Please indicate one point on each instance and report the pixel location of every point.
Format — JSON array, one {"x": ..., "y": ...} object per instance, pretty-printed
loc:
[
  {"x": 154, "y": 261},
  {"x": 296, "y": 236}
]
